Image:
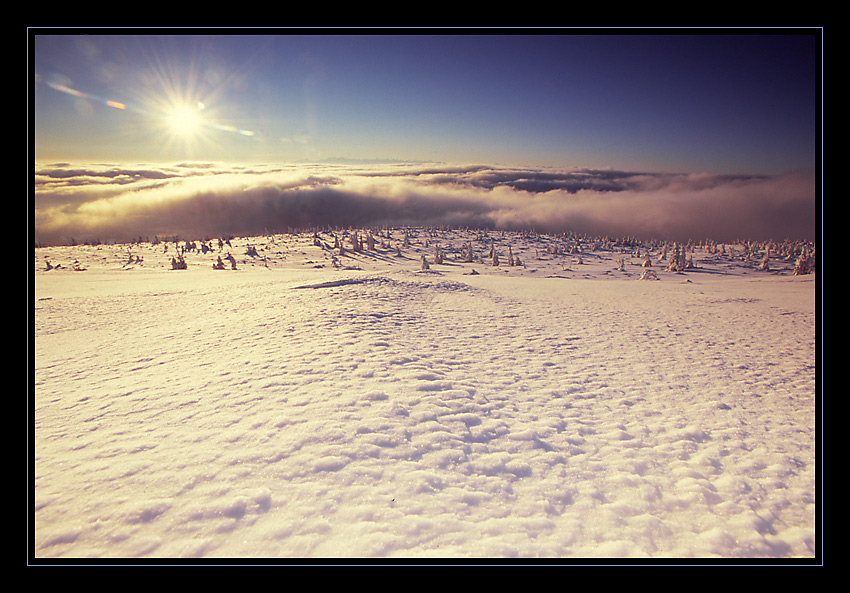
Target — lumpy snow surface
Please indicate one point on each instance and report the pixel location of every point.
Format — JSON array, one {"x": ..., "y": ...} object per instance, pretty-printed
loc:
[{"x": 320, "y": 403}]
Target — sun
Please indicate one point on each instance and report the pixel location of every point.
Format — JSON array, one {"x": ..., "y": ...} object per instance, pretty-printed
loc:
[
  {"x": 187, "y": 105},
  {"x": 185, "y": 121},
  {"x": 187, "y": 126}
]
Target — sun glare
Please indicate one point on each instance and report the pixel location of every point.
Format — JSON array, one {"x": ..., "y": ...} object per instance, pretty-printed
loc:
[
  {"x": 183, "y": 103},
  {"x": 185, "y": 120}
]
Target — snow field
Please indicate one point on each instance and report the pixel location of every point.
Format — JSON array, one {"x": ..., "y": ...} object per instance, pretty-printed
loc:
[{"x": 376, "y": 410}]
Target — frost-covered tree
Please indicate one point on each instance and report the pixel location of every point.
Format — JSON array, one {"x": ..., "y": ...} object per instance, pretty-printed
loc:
[
  {"x": 805, "y": 264},
  {"x": 676, "y": 260},
  {"x": 467, "y": 253},
  {"x": 764, "y": 266},
  {"x": 439, "y": 257}
]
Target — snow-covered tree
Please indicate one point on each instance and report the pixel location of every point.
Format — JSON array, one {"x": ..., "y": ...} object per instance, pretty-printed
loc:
[
  {"x": 764, "y": 266},
  {"x": 676, "y": 260},
  {"x": 805, "y": 264},
  {"x": 467, "y": 253},
  {"x": 439, "y": 257}
]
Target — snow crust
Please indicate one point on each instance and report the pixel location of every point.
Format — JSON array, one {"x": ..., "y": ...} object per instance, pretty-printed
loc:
[{"x": 318, "y": 402}]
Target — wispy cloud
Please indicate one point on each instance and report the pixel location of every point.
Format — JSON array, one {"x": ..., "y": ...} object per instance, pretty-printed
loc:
[{"x": 111, "y": 203}]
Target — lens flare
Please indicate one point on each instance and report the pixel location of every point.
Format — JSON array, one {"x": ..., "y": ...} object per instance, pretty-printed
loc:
[{"x": 81, "y": 95}]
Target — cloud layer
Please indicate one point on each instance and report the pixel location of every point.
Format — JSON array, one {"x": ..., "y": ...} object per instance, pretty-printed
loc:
[{"x": 197, "y": 200}]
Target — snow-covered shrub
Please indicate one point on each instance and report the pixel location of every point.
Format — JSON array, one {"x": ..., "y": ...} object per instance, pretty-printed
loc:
[{"x": 179, "y": 263}]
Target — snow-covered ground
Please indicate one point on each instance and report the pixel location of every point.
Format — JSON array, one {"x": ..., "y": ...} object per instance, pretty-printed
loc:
[{"x": 319, "y": 404}]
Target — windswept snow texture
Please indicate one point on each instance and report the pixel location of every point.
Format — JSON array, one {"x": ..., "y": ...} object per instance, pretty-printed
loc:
[{"x": 318, "y": 404}]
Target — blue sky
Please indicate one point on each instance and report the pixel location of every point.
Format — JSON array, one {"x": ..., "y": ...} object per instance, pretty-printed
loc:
[{"x": 707, "y": 102}]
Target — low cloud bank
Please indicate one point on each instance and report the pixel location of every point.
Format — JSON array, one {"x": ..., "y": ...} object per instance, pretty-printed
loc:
[{"x": 197, "y": 200}]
